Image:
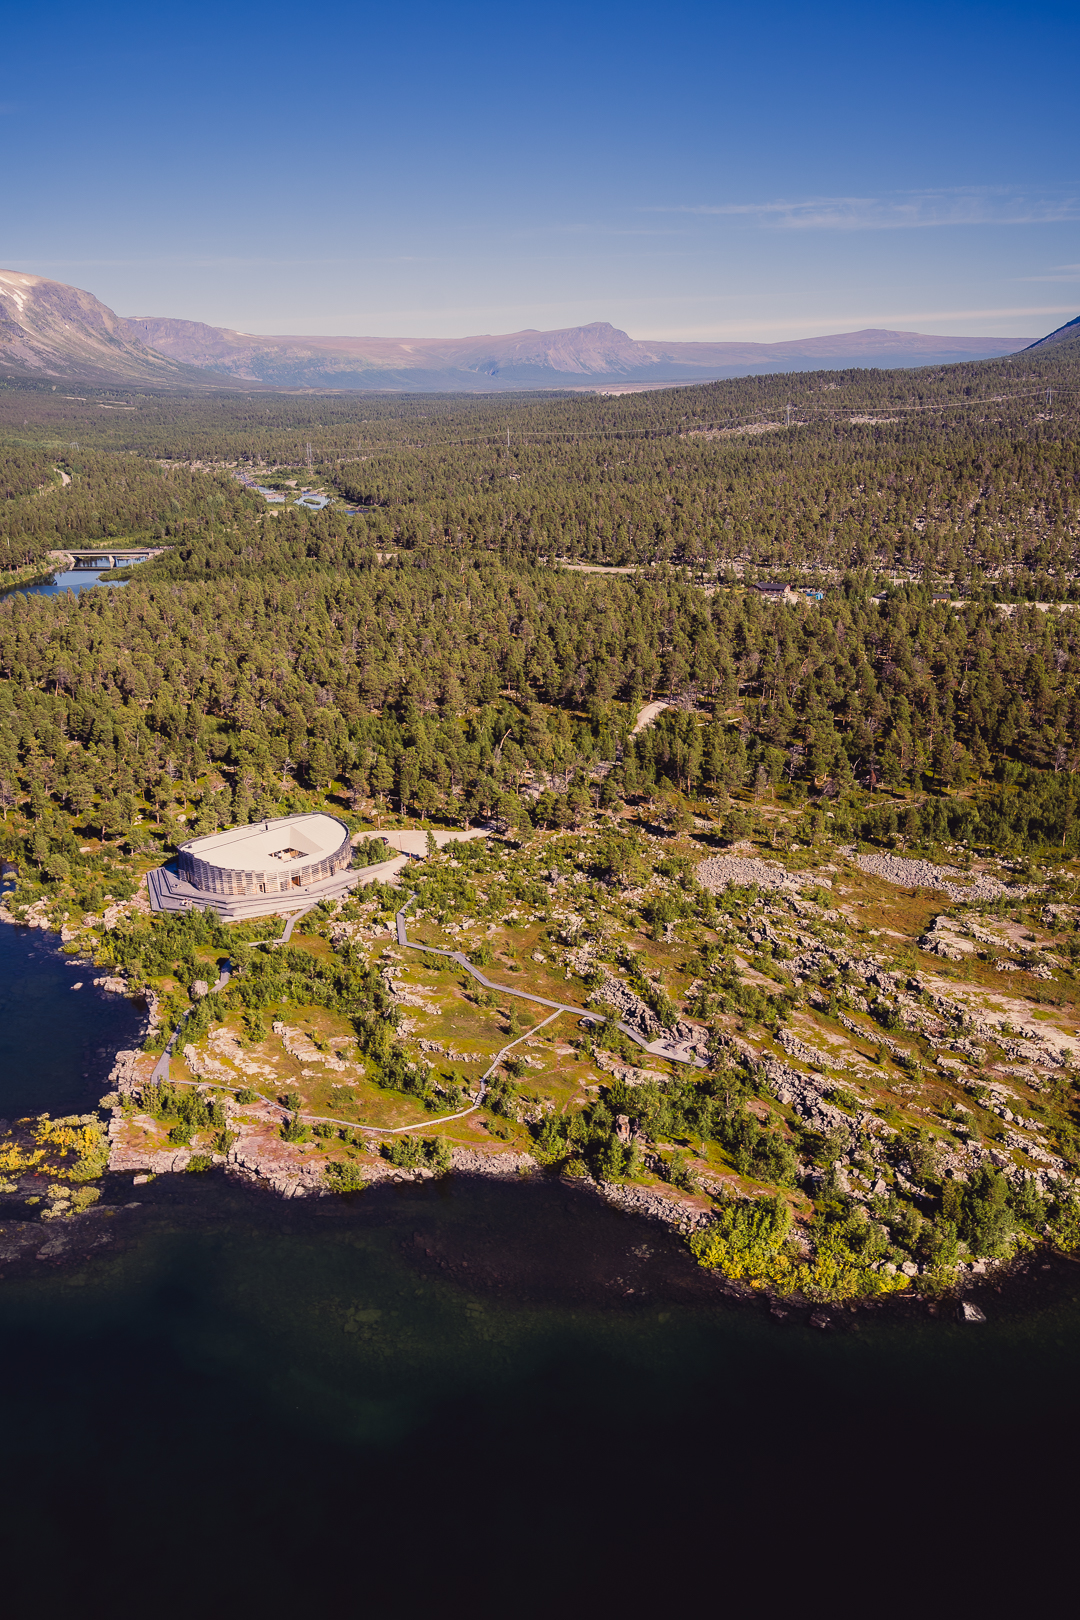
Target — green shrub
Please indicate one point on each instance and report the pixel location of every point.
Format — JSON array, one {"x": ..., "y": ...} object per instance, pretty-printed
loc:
[
  {"x": 987, "y": 1221},
  {"x": 678, "y": 1171},
  {"x": 610, "y": 1038},
  {"x": 501, "y": 1097},
  {"x": 344, "y": 1176},
  {"x": 410, "y": 1152},
  {"x": 763, "y": 1154},
  {"x": 617, "y": 1161},
  {"x": 254, "y": 1028},
  {"x": 747, "y": 1239},
  {"x": 1064, "y": 1222}
]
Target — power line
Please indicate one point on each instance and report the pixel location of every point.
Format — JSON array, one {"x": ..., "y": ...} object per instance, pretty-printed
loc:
[{"x": 617, "y": 435}]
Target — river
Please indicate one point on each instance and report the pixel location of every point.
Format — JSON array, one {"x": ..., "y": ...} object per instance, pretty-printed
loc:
[
  {"x": 496, "y": 1397},
  {"x": 67, "y": 579}
]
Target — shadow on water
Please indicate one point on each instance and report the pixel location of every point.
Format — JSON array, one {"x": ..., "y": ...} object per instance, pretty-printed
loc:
[
  {"x": 499, "y": 1397},
  {"x": 418, "y": 1387}
]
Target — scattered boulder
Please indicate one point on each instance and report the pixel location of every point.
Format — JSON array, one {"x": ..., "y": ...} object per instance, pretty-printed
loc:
[
  {"x": 721, "y": 870},
  {"x": 914, "y": 874},
  {"x": 943, "y": 939}
]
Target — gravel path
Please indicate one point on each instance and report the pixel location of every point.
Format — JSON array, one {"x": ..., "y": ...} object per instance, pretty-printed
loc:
[{"x": 647, "y": 715}]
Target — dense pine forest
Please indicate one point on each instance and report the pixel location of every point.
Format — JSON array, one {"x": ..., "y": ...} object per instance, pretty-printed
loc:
[
  {"x": 968, "y": 470},
  {"x": 428, "y": 648},
  {"x": 446, "y": 687}
]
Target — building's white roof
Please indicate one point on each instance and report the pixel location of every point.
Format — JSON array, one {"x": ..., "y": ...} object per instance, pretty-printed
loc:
[{"x": 271, "y": 846}]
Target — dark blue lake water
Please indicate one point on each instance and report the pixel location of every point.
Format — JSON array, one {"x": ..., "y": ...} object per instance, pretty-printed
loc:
[
  {"x": 70, "y": 579},
  {"x": 57, "y": 1043},
  {"x": 494, "y": 1398}
]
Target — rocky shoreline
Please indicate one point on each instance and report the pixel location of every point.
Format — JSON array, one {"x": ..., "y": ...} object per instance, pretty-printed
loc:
[
  {"x": 258, "y": 1152},
  {"x": 256, "y": 1149},
  {"x": 261, "y": 1157},
  {"x": 26, "y": 1246}
]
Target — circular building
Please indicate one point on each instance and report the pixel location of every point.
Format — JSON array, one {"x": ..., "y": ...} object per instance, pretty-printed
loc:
[{"x": 270, "y": 857}]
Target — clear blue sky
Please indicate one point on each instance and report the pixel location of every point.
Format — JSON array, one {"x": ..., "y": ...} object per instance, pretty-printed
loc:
[{"x": 689, "y": 171}]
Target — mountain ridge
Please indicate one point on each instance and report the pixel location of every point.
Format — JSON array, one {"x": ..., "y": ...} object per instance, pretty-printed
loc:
[
  {"x": 1068, "y": 333},
  {"x": 596, "y": 351},
  {"x": 50, "y": 331}
]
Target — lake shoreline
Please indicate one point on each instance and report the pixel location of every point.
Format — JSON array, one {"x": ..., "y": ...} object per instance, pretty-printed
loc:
[
  {"x": 630, "y": 1269},
  {"x": 266, "y": 1171}
]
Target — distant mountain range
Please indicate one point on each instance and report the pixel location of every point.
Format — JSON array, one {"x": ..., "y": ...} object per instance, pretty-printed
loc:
[{"x": 49, "y": 330}]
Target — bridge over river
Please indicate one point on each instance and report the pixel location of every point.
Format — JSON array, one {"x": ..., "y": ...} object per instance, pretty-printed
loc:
[{"x": 100, "y": 559}]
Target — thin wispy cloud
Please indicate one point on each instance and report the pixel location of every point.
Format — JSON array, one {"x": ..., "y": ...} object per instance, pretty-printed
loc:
[
  {"x": 192, "y": 262},
  {"x": 1061, "y": 272},
  {"x": 906, "y": 210}
]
